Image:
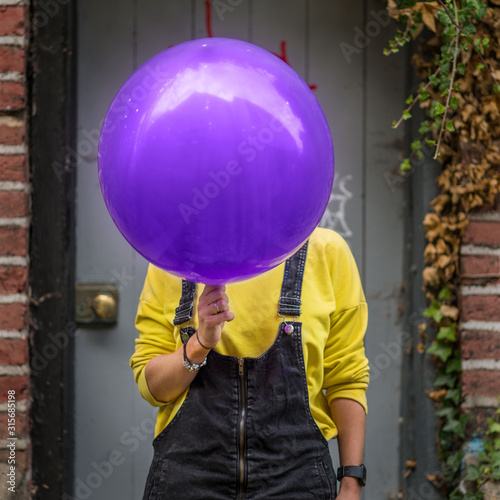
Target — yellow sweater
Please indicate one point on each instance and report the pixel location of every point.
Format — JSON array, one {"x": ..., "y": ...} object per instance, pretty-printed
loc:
[{"x": 334, "y": 318}]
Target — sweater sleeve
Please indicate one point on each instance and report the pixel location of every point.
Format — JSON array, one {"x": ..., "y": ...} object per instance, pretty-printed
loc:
[
  {"x": 155, "y": 332},
  {"x": 345, "y": 362}
]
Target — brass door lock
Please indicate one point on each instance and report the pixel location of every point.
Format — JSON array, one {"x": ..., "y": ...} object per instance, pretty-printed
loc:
[{"x": 96, "y": 303}]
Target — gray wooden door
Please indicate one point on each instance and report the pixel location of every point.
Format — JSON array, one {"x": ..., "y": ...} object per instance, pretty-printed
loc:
[{"x": 336, "y": 46}]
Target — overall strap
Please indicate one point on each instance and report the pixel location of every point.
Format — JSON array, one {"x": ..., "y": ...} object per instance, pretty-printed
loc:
[
  {"x": 184, "y": 312},
  {"x": 291, "y": 288}
]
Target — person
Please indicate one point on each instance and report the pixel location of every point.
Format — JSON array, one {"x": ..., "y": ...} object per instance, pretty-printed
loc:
[{"x": 253, "y": 378}]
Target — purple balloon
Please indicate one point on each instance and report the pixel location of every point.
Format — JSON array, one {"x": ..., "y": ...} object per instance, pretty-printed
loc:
[{"x": 215, "y": 160}]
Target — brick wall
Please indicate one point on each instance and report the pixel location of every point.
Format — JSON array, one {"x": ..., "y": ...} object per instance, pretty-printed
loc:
[
  {"x": 14, "y": 232},
  {"x": 480, "y": 317}
]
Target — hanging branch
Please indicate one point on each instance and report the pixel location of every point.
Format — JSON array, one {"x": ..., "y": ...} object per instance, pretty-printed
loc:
[
  {"x": 452, "y": 79},
  {"x": 425, "y": 87},
  {"x": 467, "y": 37},
  {"x": 402, "y": 38}
]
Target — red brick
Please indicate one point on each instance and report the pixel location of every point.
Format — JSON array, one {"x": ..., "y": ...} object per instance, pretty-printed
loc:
[
  {"x": 480, "y": 264},
  {"x": 12, "y": 20},
  {"x": 12, "y": 96},
  {"x": 13, "y": 203},
  {"x": 13, "y": 351},
  {"x": 14, "y": 168},
  {"x": 13, "y": 316},
  {"x": 481, "y": 382},
  {"x": 12, "y": 59},
  {"x": 482, "y": 233},
  {"x": 13, "y": 240},
  {"x": 12, "y": 134},
  {"x": 13, "y": 279},
  {"x": 21, "y": 462},
  {"x": 21, "y": 424},
  {"x": 480, "y": 307},
  {"x": 18, "y": 384},
  {"x": 480, "y": 345}
]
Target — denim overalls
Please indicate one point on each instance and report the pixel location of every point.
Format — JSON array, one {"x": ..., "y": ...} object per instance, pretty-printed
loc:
[{"x": 245, "y": 430}]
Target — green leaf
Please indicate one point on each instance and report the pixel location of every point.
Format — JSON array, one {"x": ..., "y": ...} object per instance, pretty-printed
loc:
[
  {"x": 496, "y": 89},
  {"x": 409, "y": 100},
  {"x": 440, "y": 349},
  {"x": 436, "y": 124},
  {"x": 485, "y": 42},
  {"x": 434, "y": 80},
  {"x": 473, "y": 473},
  {"x": 423, "y": 95},
  {"x": 430, "y": 142},
  {"x": 444, "y": 293},
  {"x": 448, "y": 412},
  {"x": 449, "y": 126},
  {"x": 454, "y": 102},
  {"x": 468, "y": 28},
  {"x": 449, "y": 381},
  {"x": 480, "y": 66},
  {"x": 434, "y": 312},
  {"x": 440, "y": 108},
  {"x": 424, "y": 128},
  {"x": 443, "y": 17},
  {"x": 464, "y": 418},
  {"x": 416, "y": 145},
  {"x": 454, "y": 366},
  {"x": 405, "y": 165},
  {"x": 494, "y": 426},
  {"x": 406, "y": 114},
  {"x": 453, "y": 395},
  {"x": 447, "y": 333}
]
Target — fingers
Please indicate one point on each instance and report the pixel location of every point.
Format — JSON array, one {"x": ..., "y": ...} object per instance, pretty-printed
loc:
[
  {"x": 213, "y": 306},
  {"x": 216, "y": 319},
  {"x": 213, "y": 294}
]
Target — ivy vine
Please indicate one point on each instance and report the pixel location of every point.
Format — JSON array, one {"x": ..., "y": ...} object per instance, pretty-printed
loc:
[{"x": 459, "y": 91}]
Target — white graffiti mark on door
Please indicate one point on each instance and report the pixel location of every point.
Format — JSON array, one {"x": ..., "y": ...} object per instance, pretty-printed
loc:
[{"x": 334, "y": 217}]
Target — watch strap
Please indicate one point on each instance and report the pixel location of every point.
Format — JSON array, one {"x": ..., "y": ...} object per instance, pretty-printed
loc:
[{"x": 357, "y": 471}]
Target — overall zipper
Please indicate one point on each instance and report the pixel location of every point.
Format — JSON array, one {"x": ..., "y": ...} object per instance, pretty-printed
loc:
[{"x": 243, "y": 418}]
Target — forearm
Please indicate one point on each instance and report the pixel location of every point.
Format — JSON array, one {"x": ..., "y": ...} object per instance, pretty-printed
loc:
[
  {"x": 167, "y": 377},
  {"x": 350, "y": 419}
]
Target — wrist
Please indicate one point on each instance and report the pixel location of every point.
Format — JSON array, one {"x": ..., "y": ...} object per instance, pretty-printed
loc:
[
  {"x": 202, "y": 343},
  {"x": 195, "y": 352},
  {"x": 350, "y": 484}
]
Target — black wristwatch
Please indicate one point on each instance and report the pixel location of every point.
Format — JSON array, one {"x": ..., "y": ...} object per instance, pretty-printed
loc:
[{"x": 357, "y": 471}]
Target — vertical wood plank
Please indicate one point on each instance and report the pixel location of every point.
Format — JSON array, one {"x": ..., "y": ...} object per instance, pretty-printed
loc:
[
  {"x": 221, "y": 19},
  {"x": 340, "y": 93},
  {"x": 106, "y": 58},
  {"x": 280, "y": 27},
  {"x": 161, "y": 25},
  {"x": 384, "y": 250}
]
